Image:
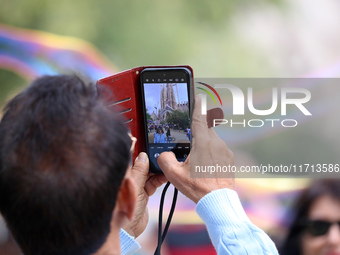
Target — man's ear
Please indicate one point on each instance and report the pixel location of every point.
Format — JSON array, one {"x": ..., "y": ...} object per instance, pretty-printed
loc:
[{"x": 126, "y": 200}]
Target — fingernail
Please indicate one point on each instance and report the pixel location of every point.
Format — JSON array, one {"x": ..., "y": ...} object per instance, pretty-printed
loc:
[{"x": 142, "y": 157}]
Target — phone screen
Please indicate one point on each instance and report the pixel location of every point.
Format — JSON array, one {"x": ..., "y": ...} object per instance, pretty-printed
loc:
[{"x": 166, "y": 94}]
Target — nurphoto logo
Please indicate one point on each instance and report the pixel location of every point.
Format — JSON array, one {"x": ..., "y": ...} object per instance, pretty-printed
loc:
[{"x": 284, "y": 96}]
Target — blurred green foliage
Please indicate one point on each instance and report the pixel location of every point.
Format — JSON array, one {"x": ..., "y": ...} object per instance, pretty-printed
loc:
[
  {"x": 10, "y": 83},
  {"x": 134, "y": 33}
]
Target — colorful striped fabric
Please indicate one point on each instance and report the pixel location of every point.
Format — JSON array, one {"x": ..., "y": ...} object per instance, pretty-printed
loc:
[{"x": 32, "y": 53}]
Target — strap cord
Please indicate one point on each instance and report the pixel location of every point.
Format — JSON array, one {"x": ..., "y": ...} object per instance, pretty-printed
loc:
[{"x": 161, "y": 236}]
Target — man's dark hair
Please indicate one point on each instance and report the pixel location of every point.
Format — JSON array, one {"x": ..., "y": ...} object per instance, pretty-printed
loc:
[{"x": 63, "y": 156}]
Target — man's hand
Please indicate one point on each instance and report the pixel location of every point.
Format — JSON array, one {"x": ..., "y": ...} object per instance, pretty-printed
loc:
[
  {"x": 146, "y": 185},
  {"x": 207, "y": 150}
]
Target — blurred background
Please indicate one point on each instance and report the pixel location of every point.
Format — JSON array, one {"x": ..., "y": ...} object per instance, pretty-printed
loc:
[{"x": 219, "y": 39}]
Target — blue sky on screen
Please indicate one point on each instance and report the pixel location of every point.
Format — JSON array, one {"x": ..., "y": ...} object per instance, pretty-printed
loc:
[{"x": 152, "y": 93}]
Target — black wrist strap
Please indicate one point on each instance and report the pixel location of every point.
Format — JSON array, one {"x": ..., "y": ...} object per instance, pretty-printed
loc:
[{"x": 161, "y": 236}]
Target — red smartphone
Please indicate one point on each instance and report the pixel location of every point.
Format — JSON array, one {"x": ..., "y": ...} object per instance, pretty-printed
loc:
[
  {"x": 151, "y": 98},
  {"x": 166, "y": 97}
]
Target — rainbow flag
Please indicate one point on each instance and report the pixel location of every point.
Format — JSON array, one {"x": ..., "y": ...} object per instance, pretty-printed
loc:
[{"x": 31, "y": 53}]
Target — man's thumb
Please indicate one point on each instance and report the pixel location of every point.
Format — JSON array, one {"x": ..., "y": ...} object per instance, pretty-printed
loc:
[
  {"x": 167, "y": 161},
  {"x": 141, "y": 165}
]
